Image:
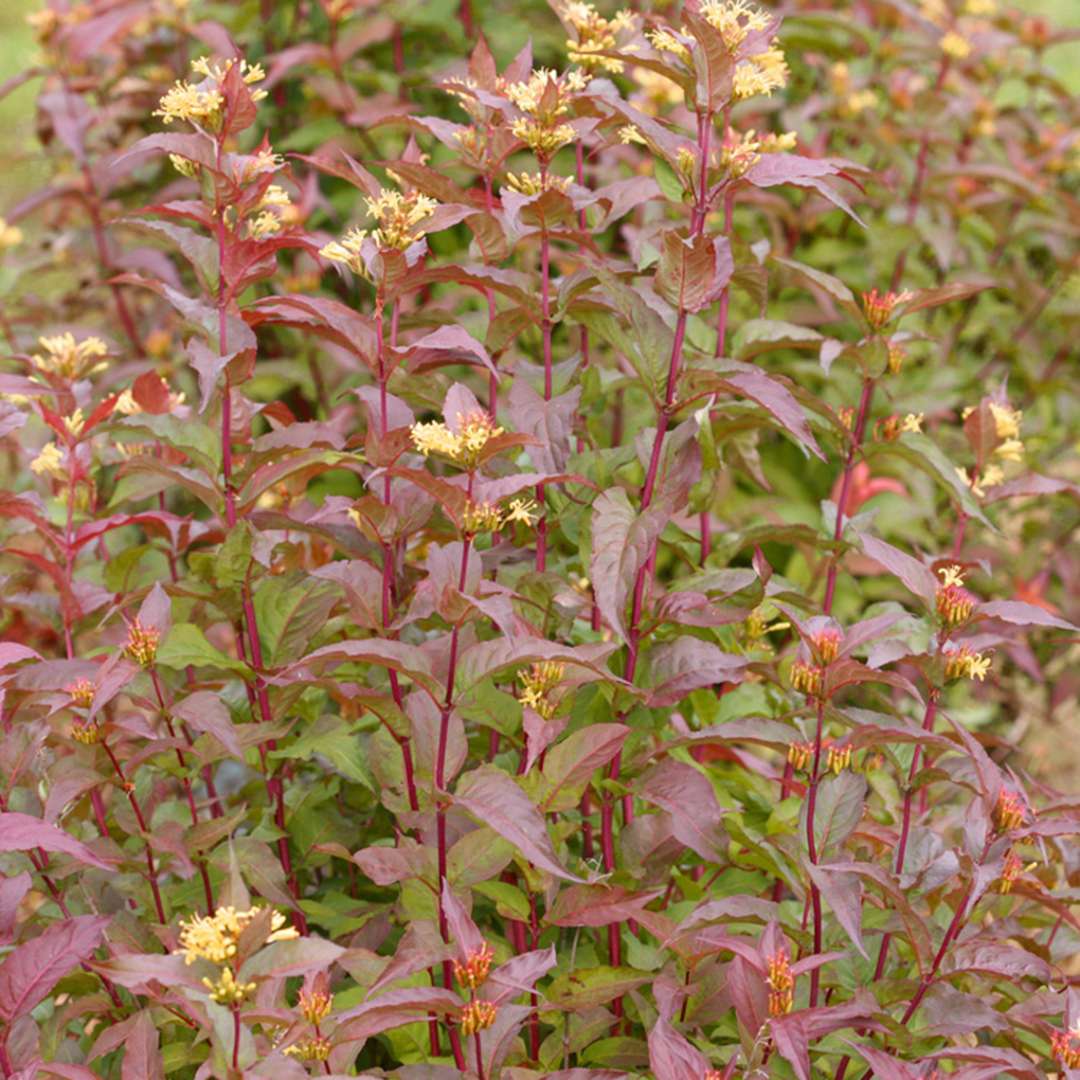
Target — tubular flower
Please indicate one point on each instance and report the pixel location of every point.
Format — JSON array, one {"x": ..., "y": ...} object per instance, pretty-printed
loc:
[
  {"x": 64, "y": 358},
  {"x": 1065, "y": 1046},
  {"x": 225, "y": 990},
  {"x": 476, "y": 1016},
  {"x": 1010, "y": 450},
  {"x": 81, "y": 693},
  {"x": 826, "y": 644},
  {"x": 897, "y": 356},
  {"x": 666, "y": 41},
  {"x": 595, "y": 34},
  {"x": 954, "y": 603},
  {"x": 535, "y": 183},
  {"x": 74, "y": 423},
  {"x": 838, "y": 759},
  {"x": 399, "y": 216},
  {"x": 781, "y": 984},
  {"x": 142, "y": 643},
  {"x": 963, "y": 663},
  {"x": 912, "y": 423},
  {"x": 539, "y": 681},
  {"x": 317, "y": 1048},
  {"x": 86, "y": 731},
  {"x": 806, "y": 678},
  {"x": 544, "y": 98},
  {"x": 761, "y": 73},
  {"x": 462, "y": 447},
  {"x": 1006, "y": 420},
  {"x": 474, "y": 971},
  {"x": 214, "y": 937},
  {"x": 879, "y": 307},
  {"x": 314, "y": 1005},
  {"x": 347, "y": 251},
  {"x": 799, "y": 755},
  {"x": 1009, "y": 811},
  {"x": 201, "y": 103},
  {"x": 735, "y": 19},
  {"x": 1011, "y": 871},
  {"x": 49, "y": 462}
]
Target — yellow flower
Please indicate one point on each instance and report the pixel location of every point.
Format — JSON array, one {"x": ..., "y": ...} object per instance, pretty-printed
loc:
[
  {"x": 476, "y": 1016},
  {"x": 665, "y": 41},
  {"x": 761, "y": 73},
  {"x": 81, "y": 693},
  {"x": 955, "y": 45},
  {"x": 735, "y": 19},
  {"x": 595, "y": 34},
  {"x": 806, "y": 678},
  {"x": 464, "y": 447},
  {"x": 347, "y": 251},
  {"x": 474, "y": 971},
  {"x": 1010, "y": 450},
  {"x": 630, "y": 134},
  {"x": 49, "y": 462},
  {"x": 74, "y": 423},
  {"x": 201, "y": 103},
  {"x": 544, "y": 97},
  {"x": 992, "y": 476},
  {"x": 10, "y": 235},
  {"x": 214, "y": 937},
  {"x": 185, "y": 101},
  {"x": 980, "y": 7},
  {"x": 142, "y": 643},
  {"x": 184, "y": 167},
  {"x": 781, "y": 983},
  {"x": 535, "y": 184},
  {"x": 952, "y": 575},
  {"x": 225, "y": 990},
  {"x": 314, "y": 1005},
  {"x": 67, "y": 359},
  {"x": 520, "y": 510},
  {"x": 539, "y": 681},
  {"x": 963, "y": 663},
  {"x": 658, "y": 90},
  {"x": 317, "y": 1048},
  {"x": 912, "y": 423}
]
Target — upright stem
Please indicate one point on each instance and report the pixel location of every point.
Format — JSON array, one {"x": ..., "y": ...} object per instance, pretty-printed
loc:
[
  {"x": 275, "y": 788},
  {"x": 545, "y": 326},
  {"x": 811, "y": 847},
  {"x": 129, "y": 789},
  {"x": 607, "y": 809},
  {"x": 236, "y": 1037},
  {"x": 857, "y": 435},
  {"x": 440, "y": 782}
]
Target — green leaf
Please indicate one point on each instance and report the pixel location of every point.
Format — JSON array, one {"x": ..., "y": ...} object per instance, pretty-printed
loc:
[
  {"x": 290, "y": 609},
  {"x": 186, "y": 646},
  {"x": 332, "y": 738}
]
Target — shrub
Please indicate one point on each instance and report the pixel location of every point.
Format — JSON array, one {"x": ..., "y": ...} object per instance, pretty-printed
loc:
[{"x": 540, "y": 566}]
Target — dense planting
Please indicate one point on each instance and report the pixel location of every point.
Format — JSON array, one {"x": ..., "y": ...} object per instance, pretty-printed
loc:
[{"x": 541, "y": 559}]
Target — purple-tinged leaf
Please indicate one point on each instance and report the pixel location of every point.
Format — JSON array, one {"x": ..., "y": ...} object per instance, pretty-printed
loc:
[
  {"x": 912, "y": 574},
  {"x": 142, "y": 1057},
  {"x": 31, "y": 970},
  {"x": 687, "y": 664},
  {"x": 1021, "y": 614},
  {"x": 673, "y": 1057},
  {"x": 21, "y": 832},
  {"x": 689, "y": 798},
  {"x": 843, "y": 893},
  {"x": 495, "y": 800},
  {"x": 597, "y": 905}
]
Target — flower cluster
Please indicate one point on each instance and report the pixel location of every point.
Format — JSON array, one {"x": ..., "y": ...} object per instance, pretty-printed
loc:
[
  {"x": 50, "y": 462},
  {"x": 781, "y": 983},
  {"x": 474, "y": 971},
  {"x": 1065, "y": 1046},
  {"x": 216, "y": 937},
  {"x": 838, "y": 759},
  {"x": 954, "y": 603},
  {"x": 545, "y": 98},
  {"x": 488, "y": 517},
  {"x": 477, "y": 1016},
  {"x": 806, "y": 678},
  {"x": 63, "y": 357},
  {"x": 799, "y": 755},
  {"x": 202, "y": 103},
  {"x": 740, "y": 153},
  {"x": 464, "y": 446},
  {"x": 400, "y": 220},
  {"x": 539, "y": 681},
  {"x": 879, "y": 307},
  {"x": 964, "y": 663},
  {"x": 314, "y": 1048},
  {"x": 314, "y": 1005},
  {"x": 595, "y": 34},
  {"x": 1010, "y": 811},
  {"x": 142, "y": 643},
  {"x": 81, "y": 692}
]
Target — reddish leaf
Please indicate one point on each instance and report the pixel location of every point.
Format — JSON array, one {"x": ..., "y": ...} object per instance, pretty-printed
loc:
[
  {"x": 29, "y": 972},
  {"x": 21, "y": 832}
]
